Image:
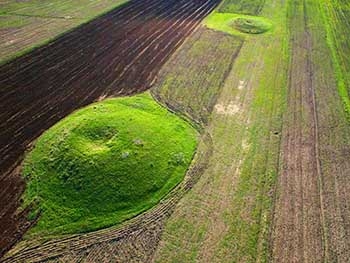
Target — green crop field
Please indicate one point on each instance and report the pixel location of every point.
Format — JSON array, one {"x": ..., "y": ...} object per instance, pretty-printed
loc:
[
  {"x": 106, "y": 163},
  {"x": 336, "y": 19}
]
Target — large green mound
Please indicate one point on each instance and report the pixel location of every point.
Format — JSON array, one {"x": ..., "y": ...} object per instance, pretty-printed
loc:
[{"x": 106, "y": 163}]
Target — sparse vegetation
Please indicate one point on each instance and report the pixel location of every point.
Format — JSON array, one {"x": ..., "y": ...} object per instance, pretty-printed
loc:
[
  {"x": 247, "y": 7},
  {"x": 38, "y": 22},
  {"x": 9, "y": 21},
  {"x": 192, "y": 79},
  {"x": 106, "y": 163},
  {"x": 336, "y": 15}
]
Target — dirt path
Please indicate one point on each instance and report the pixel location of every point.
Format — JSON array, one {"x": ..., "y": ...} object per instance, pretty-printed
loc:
[
  {"x": 298, "y": 229},
  {"x": 311, "y": 211},
  {"x": 117, "y": 54}
]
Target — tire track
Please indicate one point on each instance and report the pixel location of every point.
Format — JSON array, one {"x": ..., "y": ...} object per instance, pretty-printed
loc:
[{"x": 298, "y": 234}]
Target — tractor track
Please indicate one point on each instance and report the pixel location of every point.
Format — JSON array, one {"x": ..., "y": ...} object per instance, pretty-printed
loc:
[{"x": 298, "y": 233}]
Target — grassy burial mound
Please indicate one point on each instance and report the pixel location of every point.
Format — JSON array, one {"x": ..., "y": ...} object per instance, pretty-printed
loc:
[
  {"x": 251, "y": 25},
  {"x": 106, "y": 163},
  {"x": 237, "y": 24}
]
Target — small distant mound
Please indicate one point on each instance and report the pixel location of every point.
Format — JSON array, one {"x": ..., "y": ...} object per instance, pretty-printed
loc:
[
  {"x": 106, "y": 163},
  {"x": 237, "y": 24},
  {"x": 251, "y": 25}
]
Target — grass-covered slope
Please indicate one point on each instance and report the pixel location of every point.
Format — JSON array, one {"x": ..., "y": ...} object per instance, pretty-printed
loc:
[{"x": 106, "y": 163}]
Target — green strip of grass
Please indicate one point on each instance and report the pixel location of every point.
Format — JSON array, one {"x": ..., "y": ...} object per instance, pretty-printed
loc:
[
  {"x": 335, "y": 30},
  {"x": 106, "y": 163}
]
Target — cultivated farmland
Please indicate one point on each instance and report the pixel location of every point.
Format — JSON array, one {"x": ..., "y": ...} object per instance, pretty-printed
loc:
[
  {"x": 191, "y": 81},
  {"x": 266, "y": 85},
  {"x": 27, "y": 24},
  {"x": 312, "y": 215},
  {"x": 226, "y": 217}
]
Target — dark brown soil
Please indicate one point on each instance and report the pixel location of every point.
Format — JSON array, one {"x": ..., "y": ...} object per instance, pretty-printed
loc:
[{"x": 117, "y": 54}]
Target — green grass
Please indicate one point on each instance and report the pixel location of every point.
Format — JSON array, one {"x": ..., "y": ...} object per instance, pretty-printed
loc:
[
  {"x": 9, "y": 21},
  {"x": 251, "y": 25},
  {"x": 248, "y": 7},
  {"x": 335, "y": 15},
  {"x": 237, "y": 24},
  {"x": 106, "y": 163}
]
